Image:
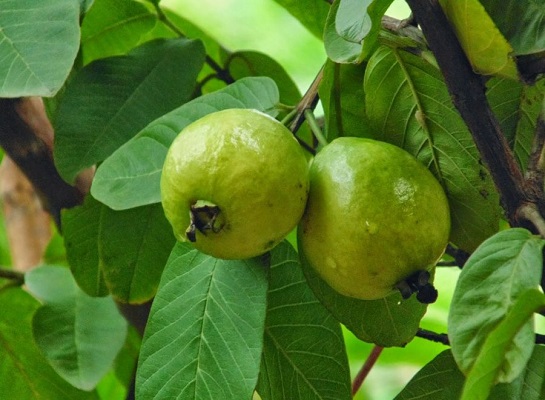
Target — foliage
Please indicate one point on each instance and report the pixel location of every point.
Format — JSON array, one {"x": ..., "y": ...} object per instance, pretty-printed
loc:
[{"x": 120, "y": 79}]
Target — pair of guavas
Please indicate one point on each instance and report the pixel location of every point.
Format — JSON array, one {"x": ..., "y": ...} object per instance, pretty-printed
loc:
[{"x": 236, "y": 182}]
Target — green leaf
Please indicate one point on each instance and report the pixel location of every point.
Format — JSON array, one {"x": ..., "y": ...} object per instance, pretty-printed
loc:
[
  {"x": 311, "y": 13},
  {"x": 441, "y": 379},
  {"x": 386, "y": 322},
  {"x": 487, "y": 50},
  {"x": 79, "y": 335},
  {"x": 134, "y": 246},
  {"x": 408, "y": 105},
  {"x": 517, "y": 107},
  {"x": 24, "y": 372},
  {"x": 491, "y": 359},
  {"x": 80, "y": 229},
  {"x": 303, "y": 353},
  {"x": 114, "y": 27},
  {"x": 343, "y": 99},
  {"x": 252, "y": 63},
  {"x": 339, "y": 49},
  {"x": 496, "y": 274},
  {"x": 117, "y": 252},
  {"x": 205, "y": 331},
  {"x": 128, "y": 178},
  {"x": 38, "y": 42},
  {"x": 111, "y": 99},
  {"x": 522, "y": 22},
  {"x": 358, "y": 21}
]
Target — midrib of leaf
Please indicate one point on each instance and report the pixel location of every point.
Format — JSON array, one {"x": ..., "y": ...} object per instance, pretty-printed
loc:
[
  {"x": 19, "y": 56},
  {"x": 202, "y": 340},
  {"x": 421, "y": 121},
  {"x": 19, "y": 366},
  {"x": 112, "y": 27},
  {"x": 139, "y": 252}
]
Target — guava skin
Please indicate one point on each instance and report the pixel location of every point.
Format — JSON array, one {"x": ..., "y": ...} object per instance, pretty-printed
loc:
[
  {"x": 375, "y": 215},
  {"x": 247, "y": 165}
]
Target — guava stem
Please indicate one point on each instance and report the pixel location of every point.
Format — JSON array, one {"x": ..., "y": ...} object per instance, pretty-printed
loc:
[{"x": 205, "y": 217}]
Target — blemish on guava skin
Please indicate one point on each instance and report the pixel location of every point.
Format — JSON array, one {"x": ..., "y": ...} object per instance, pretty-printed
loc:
[{"x": 371, "y": 227}]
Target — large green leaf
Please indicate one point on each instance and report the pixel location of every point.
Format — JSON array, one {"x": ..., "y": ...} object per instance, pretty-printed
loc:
[
  {"x": 501, "y": 269},
  {"x": 130, "y": 177},
  {"x": 386, "y": 322},
  {"x": 487, "y": 50},
  {"x": 205, "y": 332},
  {"x": 134, "y": 246},
  {"x": 311, "y": 13},
  {"x": 517, "y": 107},
  {"x": 303, "y": 354},
  {"x": 38, "y": 43},
  {"x": 491, "y": 360},
  {"x": 24, "y": 373},
  {"x": 79, "y": 335},
  {"x": 343, "y": 99},
  {"x": 522, "y": 22},
  {"x": 408, "y": 105},
  {"x": 117, "y": 252},
  {"x": 111, "y": 99},
  {"x": 113, "y": 27},
  {"x": 80, "y": 229},
  {"x": 441, "y": 379}
]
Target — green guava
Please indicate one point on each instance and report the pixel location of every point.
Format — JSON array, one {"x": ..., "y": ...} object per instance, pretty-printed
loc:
[
  {"x": 375, "y": 217},
  {"x": 234, "y": 183}
]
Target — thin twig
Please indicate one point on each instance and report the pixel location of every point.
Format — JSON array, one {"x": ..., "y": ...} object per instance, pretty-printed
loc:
[
  {"x": 10, "y": 274},
  {"x": 433, "y": 336},
  {"x": 366, "y": 368},
  {"x": 308, "y": 102},
  {"x": 459, "y": 255},
  {"x": 530, "y": 212},
  {"x": 316, "y": 131}
]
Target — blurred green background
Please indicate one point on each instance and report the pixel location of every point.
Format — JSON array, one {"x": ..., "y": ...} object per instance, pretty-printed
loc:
[{"x": 265, "y": 26}]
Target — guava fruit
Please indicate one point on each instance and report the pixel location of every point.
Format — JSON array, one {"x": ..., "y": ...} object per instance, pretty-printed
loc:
[
  {"x": 234, "y": 183},
  {"x": 375, "y": 218}
]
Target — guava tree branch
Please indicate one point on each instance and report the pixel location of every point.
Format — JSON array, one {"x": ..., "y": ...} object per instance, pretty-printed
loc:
[
  {"x": 22, "y": 125},
  {"x": 468, "y": 95}
]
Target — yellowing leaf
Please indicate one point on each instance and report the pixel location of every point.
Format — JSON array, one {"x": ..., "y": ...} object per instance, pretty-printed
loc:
[{"x": 486, "y": 48}]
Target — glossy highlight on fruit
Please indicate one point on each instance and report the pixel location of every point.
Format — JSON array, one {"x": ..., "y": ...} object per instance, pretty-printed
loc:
[
  {"x": 375, "y": 216},
  {"x": 234, "y": 183}
]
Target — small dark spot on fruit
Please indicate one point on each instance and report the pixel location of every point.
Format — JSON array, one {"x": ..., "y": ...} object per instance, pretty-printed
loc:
[{"x": 269, "y": 244}]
